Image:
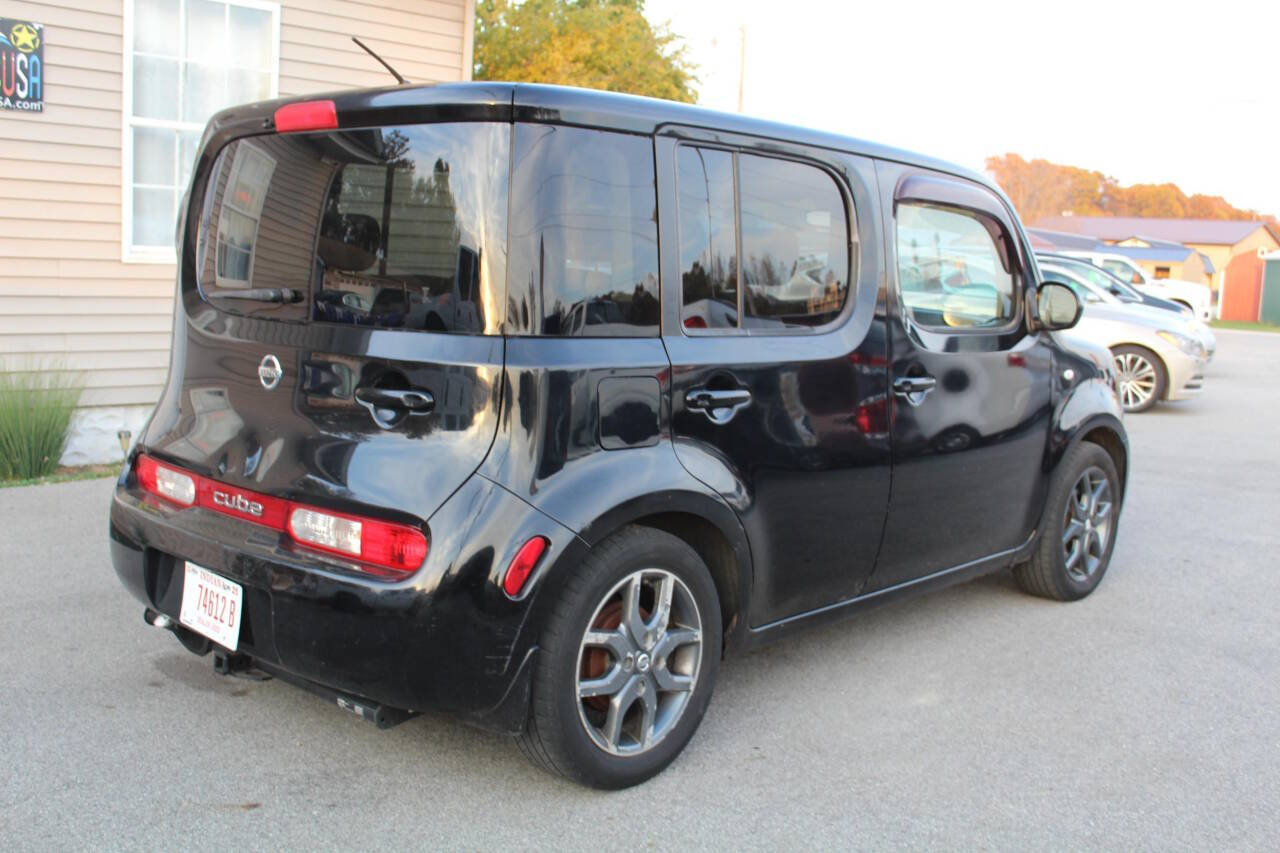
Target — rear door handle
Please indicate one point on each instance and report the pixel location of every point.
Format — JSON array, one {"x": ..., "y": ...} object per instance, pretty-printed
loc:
[
  {"x": 914, "y": 388},
  {"x": 389, "y": 406},
  {"x": 718, "y": 405}
]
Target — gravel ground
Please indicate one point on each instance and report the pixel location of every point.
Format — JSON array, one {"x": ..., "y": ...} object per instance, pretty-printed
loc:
[{"x": 1147, "y": 716}]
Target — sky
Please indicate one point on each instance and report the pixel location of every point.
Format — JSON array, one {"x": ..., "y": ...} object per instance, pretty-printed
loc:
[{"x": 1182, "y": 92}]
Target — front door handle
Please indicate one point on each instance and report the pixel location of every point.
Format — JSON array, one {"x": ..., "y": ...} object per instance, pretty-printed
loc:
[
  {"x": 718, "y": 405},
  {"x": 914, "y": 388},
  {"x": 389, "y": 406}
]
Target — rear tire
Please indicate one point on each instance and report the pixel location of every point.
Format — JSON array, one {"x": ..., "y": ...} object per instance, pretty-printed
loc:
[
  {"x": 1141, "y": 378},
  {"x": 618, "y": 690},
  {"x": 1080, "y": 525}
]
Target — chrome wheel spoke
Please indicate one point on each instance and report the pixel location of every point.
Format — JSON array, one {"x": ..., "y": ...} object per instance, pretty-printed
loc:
[
  {"x": 671, "y": 681},
  {"x": 1101, "y": 511},
  {"x": 673, "y": 640},
  {"x": 615, "y": 641},
  {"x": 632, "y": 619},
  {"x": 1073, "y": 530},
  {"x": 606, "y": 685},
  {"x": 619, "y": 705},
  {"x": 657, "y": 624},
  {"x": 648, "y": 700},
  {"x": 1073, "y": 555}
]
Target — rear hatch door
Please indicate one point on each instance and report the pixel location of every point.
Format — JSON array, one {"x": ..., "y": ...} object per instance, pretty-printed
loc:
[{"x": 338, "y": 339}]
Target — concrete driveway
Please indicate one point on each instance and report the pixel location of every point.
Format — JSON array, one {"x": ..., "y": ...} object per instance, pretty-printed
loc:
[{"x": 1147, "y": 716}]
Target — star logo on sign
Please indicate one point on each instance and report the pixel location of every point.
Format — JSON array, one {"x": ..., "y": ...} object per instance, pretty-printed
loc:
[{"x": 24, "y": 37}]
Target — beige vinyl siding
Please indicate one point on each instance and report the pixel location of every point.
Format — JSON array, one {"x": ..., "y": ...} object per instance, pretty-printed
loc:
[{"x": 65, "y": 294}]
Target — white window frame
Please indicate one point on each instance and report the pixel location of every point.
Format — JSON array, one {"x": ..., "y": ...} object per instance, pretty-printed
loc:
[
  {"x": 167, "y": 254},
  {"x": 254, "y": 211}
]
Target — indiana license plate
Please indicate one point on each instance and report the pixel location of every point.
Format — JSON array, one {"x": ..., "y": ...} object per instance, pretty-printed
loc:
[{"x": 211, "y": 606}]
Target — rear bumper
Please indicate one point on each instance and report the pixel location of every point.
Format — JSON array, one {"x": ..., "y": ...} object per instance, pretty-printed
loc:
[{"x": 444, "y": 639}]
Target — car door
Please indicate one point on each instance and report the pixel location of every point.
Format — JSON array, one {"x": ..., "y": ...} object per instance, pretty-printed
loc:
[
  {"x": 779, "y": 362},
  {"x": 971, "y": 385}
]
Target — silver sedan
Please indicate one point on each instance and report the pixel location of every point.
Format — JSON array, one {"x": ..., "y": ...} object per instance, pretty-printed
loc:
[{"x": 1158, "y": 355}]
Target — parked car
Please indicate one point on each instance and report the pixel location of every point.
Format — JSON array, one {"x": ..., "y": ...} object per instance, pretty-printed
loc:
[
  {"x": 555, "y": 528},
  {"x": 1158, "y": 355},
  {"x": 1198, "y": 297},
  {"x": 1108, "y": 285}
]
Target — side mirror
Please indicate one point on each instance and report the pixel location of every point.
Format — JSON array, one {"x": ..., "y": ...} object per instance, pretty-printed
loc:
[{"x": 1057, "y": 306}]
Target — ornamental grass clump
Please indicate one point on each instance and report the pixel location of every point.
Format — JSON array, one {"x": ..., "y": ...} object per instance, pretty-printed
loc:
[{"x": 35, "y": 413}]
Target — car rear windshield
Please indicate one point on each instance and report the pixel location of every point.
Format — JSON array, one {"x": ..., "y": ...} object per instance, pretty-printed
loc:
[{"x": 392, "y": 227}]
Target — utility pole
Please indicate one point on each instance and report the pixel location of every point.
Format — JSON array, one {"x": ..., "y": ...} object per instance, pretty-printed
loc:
[{"x": 742, "y": 61}]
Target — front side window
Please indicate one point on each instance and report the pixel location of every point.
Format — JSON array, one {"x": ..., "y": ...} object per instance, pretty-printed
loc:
[
  {"x": 953, "y": 269},
  {"x": 787, "y": 222},
  {"x": 584, "y": 233},
  {"x": 186, "y": 59}
]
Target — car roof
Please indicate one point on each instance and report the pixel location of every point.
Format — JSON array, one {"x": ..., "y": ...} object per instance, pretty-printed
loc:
[{"x": 537, "y": 102}]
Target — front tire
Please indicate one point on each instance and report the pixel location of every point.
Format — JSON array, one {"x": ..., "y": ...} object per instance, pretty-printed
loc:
[
  {"x": 1079, "y": 531},
  {"x": 627, "y": 663}
]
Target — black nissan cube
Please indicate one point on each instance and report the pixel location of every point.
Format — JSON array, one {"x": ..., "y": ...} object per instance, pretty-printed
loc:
[{"x": 530, "y": 403}]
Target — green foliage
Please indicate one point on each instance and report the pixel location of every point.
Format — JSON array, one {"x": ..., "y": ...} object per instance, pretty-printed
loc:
[
  {"x": 596, "y": 44},
  {"x": 1039, "y": 188},
  {"x": 35, "y": 412}
]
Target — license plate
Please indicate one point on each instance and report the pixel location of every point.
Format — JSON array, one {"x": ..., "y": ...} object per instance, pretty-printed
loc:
[{"x": 211, "y": 606}]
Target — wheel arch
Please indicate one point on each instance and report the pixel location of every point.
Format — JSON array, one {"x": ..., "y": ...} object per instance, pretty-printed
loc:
[{"x": 702, "y": 522}]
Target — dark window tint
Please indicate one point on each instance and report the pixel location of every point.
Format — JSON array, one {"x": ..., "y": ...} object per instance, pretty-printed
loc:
[
  {"x": 708, "y": 238},
  {"x": 394, "y": 227},
  {"x": 795, "y": 243},
  {"x": 584, "y": 239},
  {"x": 788, "y": 221}
]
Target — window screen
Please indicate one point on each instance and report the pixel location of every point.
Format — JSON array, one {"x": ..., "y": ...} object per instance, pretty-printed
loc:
[{"x": 584, "y": 234}]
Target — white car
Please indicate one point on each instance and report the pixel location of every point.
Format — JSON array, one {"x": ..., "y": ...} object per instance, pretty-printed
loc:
[
  {"x": 1157, "y": 354},
  {"x": 1197, "y": 297}
]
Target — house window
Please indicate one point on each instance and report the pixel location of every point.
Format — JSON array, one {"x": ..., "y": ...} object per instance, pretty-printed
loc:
[
  {"x": 241, "y": 210},
  {"x": 1162, "y": 272},
  {"x": 183, "y": 61}
]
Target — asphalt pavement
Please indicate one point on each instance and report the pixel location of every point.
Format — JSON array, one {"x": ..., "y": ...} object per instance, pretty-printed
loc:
[{"x": 1144, "y": 717}]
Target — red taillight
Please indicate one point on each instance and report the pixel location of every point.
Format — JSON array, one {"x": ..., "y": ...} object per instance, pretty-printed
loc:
[
  {"x": 386, "y": 549},
  {"x": 394, "y": 547},
  {"x": 522, "y": 565},
  {"x": 694, "y": 322},
  {"x": 306, "y": 115}
]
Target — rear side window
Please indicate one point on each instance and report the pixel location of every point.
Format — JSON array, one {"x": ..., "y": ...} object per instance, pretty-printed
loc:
[
  {"x": 394, "y": 227},
  {"x": 786, "y": 221},
  {"x": 953, "y": 270},
  {"x": 584, "y": 233}
]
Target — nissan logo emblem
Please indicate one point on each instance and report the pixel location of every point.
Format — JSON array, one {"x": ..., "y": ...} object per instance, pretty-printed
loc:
[{"x": 269, "y": 372}]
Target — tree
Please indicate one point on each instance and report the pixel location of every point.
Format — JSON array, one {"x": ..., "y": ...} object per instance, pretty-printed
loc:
[
  {"x": 1039, "y": 188},
  {"x": 596, "y": 44}
]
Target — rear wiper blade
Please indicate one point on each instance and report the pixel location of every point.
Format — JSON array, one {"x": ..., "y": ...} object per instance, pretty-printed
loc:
[{"x": 282, "y": 295}]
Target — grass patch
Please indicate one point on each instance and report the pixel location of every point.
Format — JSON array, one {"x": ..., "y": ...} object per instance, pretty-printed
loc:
[
  {"x": 36, "y": 403},
  {"x": 66, "y": 474},
  {"x": 1247, "y": 327}
]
